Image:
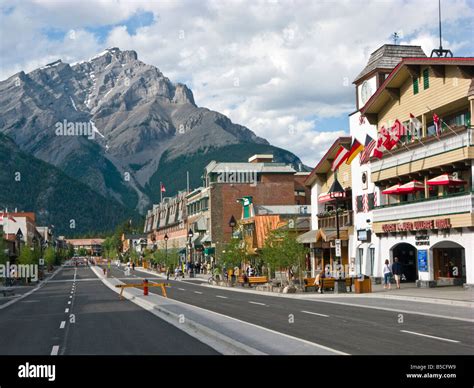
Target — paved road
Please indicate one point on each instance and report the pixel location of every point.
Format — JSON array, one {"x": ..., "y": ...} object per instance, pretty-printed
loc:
[
  {"x": 40, "y": 323},
  {"x": 350, "y": 329}
]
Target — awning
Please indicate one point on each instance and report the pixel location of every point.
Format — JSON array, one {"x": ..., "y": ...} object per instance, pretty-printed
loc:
[
  {"x": 326, "y": 197},
  {"x": 307, "y": 238},
  {"x": 446, "y": 180},
  {"x": 314, "y": 236},
  {"x": 392, "y": 190},
  {"x": 331, "y": 234},
  {"x": 411, "y": 187}
]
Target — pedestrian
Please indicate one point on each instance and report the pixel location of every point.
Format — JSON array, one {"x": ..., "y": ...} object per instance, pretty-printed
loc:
[
  {"x": 133, "y": 266},
  {"x": 387, "y": 275},
  {"x": 397, "y": 271}
]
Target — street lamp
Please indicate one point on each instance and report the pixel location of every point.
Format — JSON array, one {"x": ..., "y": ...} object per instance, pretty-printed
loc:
[
  {"x": 166, "y": 248},
  {"x": 19, "y": 238},
  {"x": 190, "y": 235},
  {"x": 337, "y": 191},
  {"x": 232, "y": 223}
]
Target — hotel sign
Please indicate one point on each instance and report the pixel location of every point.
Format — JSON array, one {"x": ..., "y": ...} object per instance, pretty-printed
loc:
[{"x": 444, "y": 223}]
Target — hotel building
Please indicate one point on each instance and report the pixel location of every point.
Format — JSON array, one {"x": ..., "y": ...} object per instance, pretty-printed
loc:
[{"x": 424, "y": 215}]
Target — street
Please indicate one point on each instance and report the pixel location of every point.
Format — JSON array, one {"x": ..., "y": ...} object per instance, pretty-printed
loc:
[
  {"x": 351, "y": 329},
  {"x": 40, "y": 324}
]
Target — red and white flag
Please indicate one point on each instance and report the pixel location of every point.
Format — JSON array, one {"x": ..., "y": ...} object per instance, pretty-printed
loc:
[
  {"x": 162, "y": 189},
  {"x": 437, "y": 124},
  {"x": 415, "y": 127},
  {"x": 341, "y": 156},
  {"x": 380, "y": 148}
]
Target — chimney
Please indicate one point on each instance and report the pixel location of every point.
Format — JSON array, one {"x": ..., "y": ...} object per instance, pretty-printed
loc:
[{"x": 261, "y": 158}]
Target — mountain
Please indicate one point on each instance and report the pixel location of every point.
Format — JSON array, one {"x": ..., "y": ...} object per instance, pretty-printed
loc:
[
  {"x": 117, "y": 124},
  {"x": 28, "y": 183}
]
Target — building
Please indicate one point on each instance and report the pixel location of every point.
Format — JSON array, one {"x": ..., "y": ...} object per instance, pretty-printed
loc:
[
  {"x": 199, "y": 222},
  {"x": 93, "y": 246},
  {"x": 137, "y": 242},
  {"x": 425, "y": 214},
  {"x": 366, "y": 195},
  {"x": 167, "y": 218},
  {"x": 321, "y": 238},
  {"x": 266, "y": 181}
]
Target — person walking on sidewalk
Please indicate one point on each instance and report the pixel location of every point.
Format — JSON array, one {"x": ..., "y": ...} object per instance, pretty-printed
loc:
[
  {"x": 397, "y": 271},
  {"x": 387, "y": 275}
]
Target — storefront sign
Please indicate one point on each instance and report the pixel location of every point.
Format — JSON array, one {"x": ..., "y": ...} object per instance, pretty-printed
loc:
[
  {"x": 444, "y": 223},
  {"x": 338, "y": 247},
  {"x": 423, "y": 261},
  {"x": 422, "y": 239}
]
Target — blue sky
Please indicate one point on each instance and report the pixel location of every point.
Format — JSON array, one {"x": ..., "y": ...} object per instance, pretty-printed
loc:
[{"x": 276, "y": 67}]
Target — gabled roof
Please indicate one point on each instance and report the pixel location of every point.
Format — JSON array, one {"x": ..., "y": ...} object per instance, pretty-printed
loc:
[
  {"x": 387, "y": 57},
  {"x": 325, "y": 163},
  {"x": 401, "y": 73}
]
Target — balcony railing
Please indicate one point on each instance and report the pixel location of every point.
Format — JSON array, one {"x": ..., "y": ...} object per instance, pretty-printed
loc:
[
  {"x": 329, "y": 221},
  {"x": 448, "y": 142},
  {"x": 429, "y": 207}
]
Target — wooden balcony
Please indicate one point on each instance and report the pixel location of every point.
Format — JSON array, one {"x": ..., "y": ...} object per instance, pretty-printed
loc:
[{"x": 329, "y": 221}]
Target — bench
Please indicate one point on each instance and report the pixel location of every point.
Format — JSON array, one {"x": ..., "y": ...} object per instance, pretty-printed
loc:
[
  {"x": 309, "y": 282},
  {"x": 328, "y": 283},
  {"x": 253, "y": 280}
]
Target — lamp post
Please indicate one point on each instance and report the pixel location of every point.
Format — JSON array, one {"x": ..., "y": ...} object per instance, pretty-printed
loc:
[
  {"x": 166, "y": 248},
  {"x": 190, "y": 236},
  {"x": 19, "y": 238},
  {"x": 232, "y": 223},
  {"x": 336, "y": 191}
]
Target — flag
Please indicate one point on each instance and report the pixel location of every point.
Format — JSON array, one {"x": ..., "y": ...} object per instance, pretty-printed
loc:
[
  {"x": 341, "y": 156},
  {"x": 355, "y": 149},
  {"x": 163, "y": 189},
  {"x": 437, "y": 124},
  {"x": 380, "y": 148},
  {"x": 369, "y": 147},
  {"x": 415, "y": 126},
  {"x": 394, "y": 135}
]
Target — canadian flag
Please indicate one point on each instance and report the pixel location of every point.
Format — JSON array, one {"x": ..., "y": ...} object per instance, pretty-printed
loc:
[
  {"x": 380, "y": 148},
  {"x": 163, "y": 190},
  {"x": 437, "y": 124},
  {"x": 415, "y": 126}
]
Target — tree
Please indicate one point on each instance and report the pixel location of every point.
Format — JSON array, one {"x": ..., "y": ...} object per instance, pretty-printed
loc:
[
  {"x": 3, "y": 247},
  {"x": 50, "y": 257},
  {"x": 235, "y": 253},
  {"x": 283, "y": 251},
  {"x": 82, "y": 252}
]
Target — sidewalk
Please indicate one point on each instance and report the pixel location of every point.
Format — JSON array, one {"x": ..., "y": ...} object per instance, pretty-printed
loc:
[{"x": 452, "y": 295}]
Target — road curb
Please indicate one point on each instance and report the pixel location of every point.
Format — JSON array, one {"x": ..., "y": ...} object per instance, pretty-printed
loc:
[
  {"x": 447, "y": 302},
  {"x": 223, "y": 344}
]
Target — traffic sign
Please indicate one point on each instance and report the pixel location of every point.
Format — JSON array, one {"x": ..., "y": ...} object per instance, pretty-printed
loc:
[
  {"x": 337, "y": 244},
  {"x": 41, "y": 261}
]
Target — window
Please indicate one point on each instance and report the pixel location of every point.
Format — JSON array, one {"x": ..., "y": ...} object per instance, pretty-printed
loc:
[
  {"x": 359, "y": 203},
  {"x": 371, "y": 201},
  {"x": 361, "y": 258},
  {"x": 372, "y": 260},
  {"x": 426, "y": 78},
  {"x": 415, "y": 85}
]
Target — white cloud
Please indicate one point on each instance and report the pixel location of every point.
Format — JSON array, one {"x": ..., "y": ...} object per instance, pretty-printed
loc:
[{"x": 266, "y": 64}]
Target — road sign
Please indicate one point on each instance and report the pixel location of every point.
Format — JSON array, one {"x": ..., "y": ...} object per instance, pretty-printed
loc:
[
  {"x": 41, "y": 261},
  {"x": 337, "y": 244}
]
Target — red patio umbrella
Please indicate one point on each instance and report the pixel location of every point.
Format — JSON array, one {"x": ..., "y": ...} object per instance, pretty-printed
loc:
[
  {"x": 446, "y": 180},
  {"x": 392, "y": 190},
  {"x": 411, "y": 187}
]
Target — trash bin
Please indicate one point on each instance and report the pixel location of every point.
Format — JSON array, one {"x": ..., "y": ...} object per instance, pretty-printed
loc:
[{"x": 363, "y": 286}]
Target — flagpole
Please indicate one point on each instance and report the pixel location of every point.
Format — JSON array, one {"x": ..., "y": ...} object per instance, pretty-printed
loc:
[
  {"x": 161, "y": 192},
  {"x": 187, "y": 181},
  {"x": 449, "y": 127}
]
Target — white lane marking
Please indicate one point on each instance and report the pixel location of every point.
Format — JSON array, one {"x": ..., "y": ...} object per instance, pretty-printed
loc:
[
  {"x": 182, "y": 289},
  {"x": 55, "y": 350},
  {"x": 261, "y": 304},
  {"x": 63, "y": 323},
  {"x": 429, "y": 336},
  {"x": 69, "y": 302},
  {"x": 310, "y": 312},
  {"x": 197, "y": 292},
  {"x": 66, "y": 311},
  {"x": 220, "y": 296}
]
